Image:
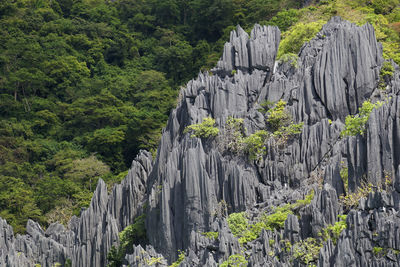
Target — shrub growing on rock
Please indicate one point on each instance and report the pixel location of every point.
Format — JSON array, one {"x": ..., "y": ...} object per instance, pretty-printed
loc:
[
  {"x": 355, "y": 124},
  {"x": 235, "y": 261},
  {"x": 205, "y": 129}
]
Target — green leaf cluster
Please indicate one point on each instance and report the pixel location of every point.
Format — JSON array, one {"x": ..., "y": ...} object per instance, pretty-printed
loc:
[
  {"x": 385, "y": 74},
  {"x": 246, "y": 232},
  {"x": 297, "y": 35},
  {"x": 355, "y": 124},
  {"x": 233, "y": 135},
  {"x": 134, "y": 234},
  {"x": 277, "y": 116},
  {"x": 352, "y": 199},
  {"x": 291, "y": 58},
  {"x": 281, "y": 123},
  {"x": 235, "y": 260},
  {"x": 377, "y": 251},
  {"x": 333, "y": 231},
  {"x": 181, "y": 258},
  {"x": 307, "y": 251},
  {"x": 205, "y": 129},
  {"x": 254, "y": 144},
  {"x": 211, "y": 235}
]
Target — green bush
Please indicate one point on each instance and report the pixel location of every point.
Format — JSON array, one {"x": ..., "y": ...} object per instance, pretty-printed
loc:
[
  {"x": 284, "y": 19},
  {"x": 307, "y": 251},
  {"x": 291, "y": 58},
  {"x": 355, "y": 124},
  {"x": 255, "y": 144},
  {"x": 211, "y": 235},
  {"x": 233, "y": 136},
  {"x": 289, "y": 131},
  {"x": 265, "y": 106},
  {"x": 385, "y": 75},
  {"x": 133, "y": 234},
  {"x": 278, "y": 116},
  {"x": 387, "y": 70},
  {"x": 377, "y": 251},
  {"x": 246, "y": 232},
  {"x": 278, "y": 120},
  {"x": 181, "y": 257},
  {"x": 297, "y": 36},
  {"x": 352, "y": 200},
  {"x": 237, "y": 223},
  {"x": 235, "y": 261},
  {"x": 333, "y": 231},
  {"x": 205, "y": 129},
  {"x": 304, "y": 202},
  {"x": 281, "y": 123}
]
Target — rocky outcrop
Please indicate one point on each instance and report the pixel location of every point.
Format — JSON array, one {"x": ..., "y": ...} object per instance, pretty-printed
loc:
[{"x": 193, "y": 184}]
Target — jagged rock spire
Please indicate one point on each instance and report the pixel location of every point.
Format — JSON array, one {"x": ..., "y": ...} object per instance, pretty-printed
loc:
[{"x": 191, "y": 184}]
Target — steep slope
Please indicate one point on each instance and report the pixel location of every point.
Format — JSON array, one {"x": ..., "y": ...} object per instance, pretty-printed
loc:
[{"x": 194, "y": 183}]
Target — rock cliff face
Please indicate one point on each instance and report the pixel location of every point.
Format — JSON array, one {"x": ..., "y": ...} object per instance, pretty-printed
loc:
[{"x": 193, "y": 184}]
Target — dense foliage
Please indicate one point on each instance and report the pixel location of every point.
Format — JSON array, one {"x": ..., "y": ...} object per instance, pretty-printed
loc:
[{"x": 86, "y": 84}]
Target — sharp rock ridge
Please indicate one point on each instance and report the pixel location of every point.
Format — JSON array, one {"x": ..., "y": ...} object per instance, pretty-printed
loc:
[{"x": 193, "y": 183}]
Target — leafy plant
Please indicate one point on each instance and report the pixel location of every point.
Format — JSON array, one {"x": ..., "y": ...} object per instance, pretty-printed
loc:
[
  {"x": 352, "y": 200},
  {"x": 333, "y": 231},
  {"x": 133, "y": 234},
  {"x": 377, "y": 251},
  {"x": 384, "y": 6},
  {"x": 181, "y": 258},
  {"x": 235, "y": 261},
  {"x": 385, "y": 74},
  {"x": 307, "y": 251},
  {"x": 291, "y": 58},
  {"x": 153, "y": 260},
  {"x": 211, "y": 235},
  {"x": 355, "y": 124},
  {"x": 278, "y": 117},
  {"x": 255, "y": 144},
  {"x": 281, "y": 123},
  {"x": 297, "y": 35},
  {"x": 265, "y": 106},
  {"x": 304, "y": 202},
  {"x": 238, "y": 222},
  {"x": 232, "y": 139},
  {"x": 285, "y": 132},
  {"x": 205, "y": 129}
]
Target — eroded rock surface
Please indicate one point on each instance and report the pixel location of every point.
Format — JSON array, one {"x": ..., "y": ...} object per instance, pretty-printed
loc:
[{"x": 193, "y": 184}]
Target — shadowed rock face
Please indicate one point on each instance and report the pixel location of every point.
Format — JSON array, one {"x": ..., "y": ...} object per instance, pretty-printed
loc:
[{"x": 193, "y": 183}]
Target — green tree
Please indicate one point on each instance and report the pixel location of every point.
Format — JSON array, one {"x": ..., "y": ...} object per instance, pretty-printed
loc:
[
  {"x": 16, "y": 203},
  {"x": 86, "y": 171}
]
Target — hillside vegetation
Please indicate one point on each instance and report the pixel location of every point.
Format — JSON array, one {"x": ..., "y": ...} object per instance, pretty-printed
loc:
[{"x": 86, "y": 84}]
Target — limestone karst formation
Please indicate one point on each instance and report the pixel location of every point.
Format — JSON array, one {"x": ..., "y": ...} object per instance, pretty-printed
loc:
[{"x": 182, "y": 189}]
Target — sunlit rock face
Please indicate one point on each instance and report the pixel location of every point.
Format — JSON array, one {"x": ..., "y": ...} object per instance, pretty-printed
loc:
[{"x": 193, "y": 184}]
